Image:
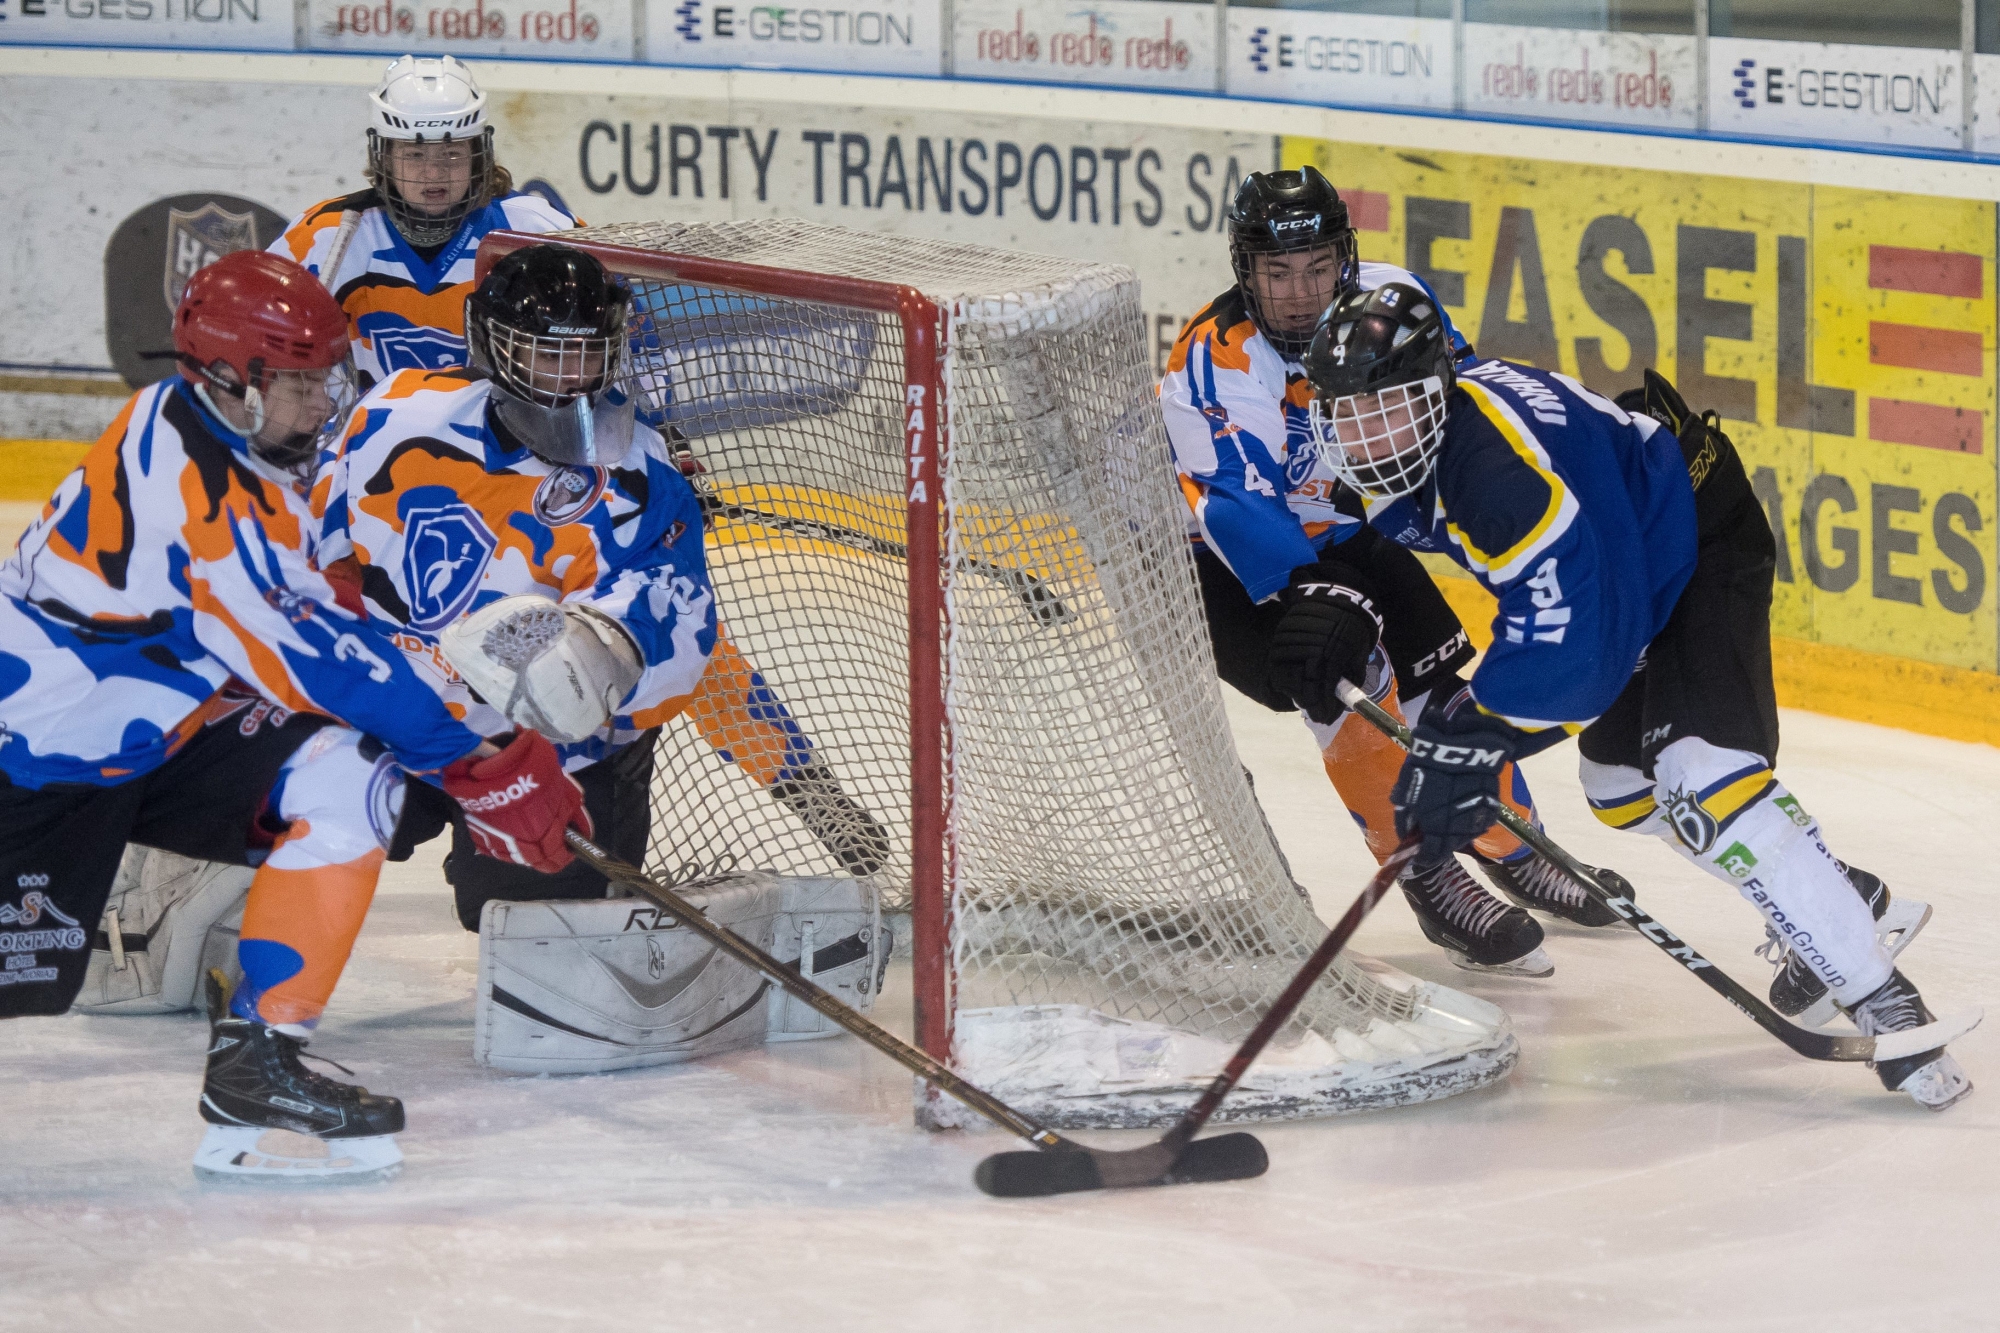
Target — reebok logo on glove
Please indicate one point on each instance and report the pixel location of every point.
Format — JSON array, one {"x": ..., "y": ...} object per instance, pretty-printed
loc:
[{"x": 514, "y": 791}]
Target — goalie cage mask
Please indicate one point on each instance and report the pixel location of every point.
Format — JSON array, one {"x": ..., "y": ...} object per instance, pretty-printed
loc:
[{"x": 549, "y": 327}]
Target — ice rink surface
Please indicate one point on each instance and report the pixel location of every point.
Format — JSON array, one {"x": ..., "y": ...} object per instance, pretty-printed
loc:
[{"x": 1655, "y": 1162}]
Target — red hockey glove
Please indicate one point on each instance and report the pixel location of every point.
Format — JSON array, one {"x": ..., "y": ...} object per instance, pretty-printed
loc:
[{"x": 518, "y": 802}]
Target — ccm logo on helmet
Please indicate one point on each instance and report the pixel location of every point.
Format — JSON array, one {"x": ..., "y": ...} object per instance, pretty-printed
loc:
[
  {"x": 1296, "y": 224},
  {"x": 511, "y": 793}
]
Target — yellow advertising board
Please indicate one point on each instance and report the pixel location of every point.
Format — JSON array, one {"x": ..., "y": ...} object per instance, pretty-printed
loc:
[{"x": 1847, "y": 338}]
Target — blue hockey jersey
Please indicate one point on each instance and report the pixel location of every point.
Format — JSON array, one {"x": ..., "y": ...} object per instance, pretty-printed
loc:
[{"x": 1578, "y": 517}]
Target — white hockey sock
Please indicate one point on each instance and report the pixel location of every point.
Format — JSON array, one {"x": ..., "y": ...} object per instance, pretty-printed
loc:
[{"x": 1729, "y": 815}]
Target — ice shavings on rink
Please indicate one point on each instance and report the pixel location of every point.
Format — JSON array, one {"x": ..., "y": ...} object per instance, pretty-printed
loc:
[{"x": 1077, "y": 1068}]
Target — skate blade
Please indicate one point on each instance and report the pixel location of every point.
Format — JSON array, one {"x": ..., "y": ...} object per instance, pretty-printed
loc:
[
  {"x": 1534, "y": 963},
  {"x": 1939, "y": 1085},
  {"x": 248, "y": 1155},
  {"x": 1897, "y": 928},
  {"x": 1931, "y": 1036}
]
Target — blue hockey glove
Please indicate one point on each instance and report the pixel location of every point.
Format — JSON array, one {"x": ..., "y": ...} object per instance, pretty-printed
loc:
[{"x": 1449, "y": 790}]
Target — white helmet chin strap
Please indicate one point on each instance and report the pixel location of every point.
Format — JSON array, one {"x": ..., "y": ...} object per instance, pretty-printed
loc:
[{"x": 253, "y": 402}]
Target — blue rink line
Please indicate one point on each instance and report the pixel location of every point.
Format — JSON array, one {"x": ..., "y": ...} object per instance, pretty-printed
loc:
[{"x": 1418, "y": 113}]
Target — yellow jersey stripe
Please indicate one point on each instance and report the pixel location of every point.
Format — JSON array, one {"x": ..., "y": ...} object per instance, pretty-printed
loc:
[
  {"x": 1724, "y": 802},
  {"x": 1522, "y": 443},
  {"x": 1626, "y": 815}
]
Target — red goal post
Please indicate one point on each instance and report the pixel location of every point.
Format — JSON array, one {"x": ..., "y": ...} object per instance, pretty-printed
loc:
[{"x": 927, "y": 437}]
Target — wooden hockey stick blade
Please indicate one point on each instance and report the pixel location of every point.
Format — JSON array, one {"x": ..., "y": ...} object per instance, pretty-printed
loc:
[
  {"x": 1615, "y": 892},
  {"x": 1931, "y": 1036},
  {"x": 1028, "y": 1175}
]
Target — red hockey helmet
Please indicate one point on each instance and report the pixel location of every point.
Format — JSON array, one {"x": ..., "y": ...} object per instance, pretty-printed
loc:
[{"x": 260, "y": 328}]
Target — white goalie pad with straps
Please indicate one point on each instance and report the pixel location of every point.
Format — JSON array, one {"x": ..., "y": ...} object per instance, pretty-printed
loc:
[
  {"x": 559, "y": 668},
  {"x": 617, "y": 983},
  {"x": 169, "y": 919}
]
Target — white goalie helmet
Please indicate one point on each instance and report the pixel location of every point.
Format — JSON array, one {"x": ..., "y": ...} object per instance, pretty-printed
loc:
[{"x": 430, "y": 147}]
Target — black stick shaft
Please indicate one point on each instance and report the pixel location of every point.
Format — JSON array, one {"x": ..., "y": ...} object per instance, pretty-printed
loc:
[
  {"x": 822, "y": 1000},
  {"x": 1612, "y": 890},
  {"x": 1294, "y": 994}
]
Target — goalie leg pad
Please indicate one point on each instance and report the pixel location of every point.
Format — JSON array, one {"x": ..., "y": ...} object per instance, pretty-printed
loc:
[
  {"x": 169, "y": 919},
  {"x": 586, "y": 987}
]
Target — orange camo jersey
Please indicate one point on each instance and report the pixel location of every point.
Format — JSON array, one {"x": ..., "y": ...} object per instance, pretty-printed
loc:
[
  {"x": 404, "y": 312},
  {"x": 443, "y": 516},
  {"x": 167, "y": 562}
]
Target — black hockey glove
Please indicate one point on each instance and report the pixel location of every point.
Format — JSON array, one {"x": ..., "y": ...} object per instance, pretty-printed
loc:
[
  {"x": 1449, "y": 790},
  {"x": 1329, "y": 629}
]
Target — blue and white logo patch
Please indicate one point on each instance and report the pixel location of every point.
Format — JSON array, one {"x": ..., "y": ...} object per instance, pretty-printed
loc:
[
  {"x": 399, "y": 345},
  {"x": 445, "y": 551},
  {"x": 1300, "y": 463}
]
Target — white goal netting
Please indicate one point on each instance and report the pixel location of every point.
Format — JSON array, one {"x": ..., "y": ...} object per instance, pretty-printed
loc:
[{"x": 1120, "y": 913}]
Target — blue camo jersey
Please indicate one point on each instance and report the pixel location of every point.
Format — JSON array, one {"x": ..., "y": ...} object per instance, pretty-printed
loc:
[
  {"x": 445, "y": 517},
  {"x": 1236, "y": 412},
  {"x": 405, "y": 312},
  {"x": 167, "y": 562},
  {"x": 1578, "y": 517}
]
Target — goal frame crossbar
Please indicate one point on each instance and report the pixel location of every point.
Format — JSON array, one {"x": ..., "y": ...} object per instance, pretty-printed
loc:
[{"x": 925, "y": 333}]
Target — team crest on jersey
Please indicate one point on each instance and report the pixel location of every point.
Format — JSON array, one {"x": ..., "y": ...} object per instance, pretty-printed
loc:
[
  {"x": 1304, "y": 457},
  {"x": 445, "y": 551},
  {"x": 568, "y": 493},
  {"x": 399, "y": 345},
  {"x": 198, "y": 238}
]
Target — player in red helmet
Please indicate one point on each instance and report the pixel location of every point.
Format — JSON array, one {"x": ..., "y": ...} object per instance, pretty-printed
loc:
[{"x": 169, "y": 569}]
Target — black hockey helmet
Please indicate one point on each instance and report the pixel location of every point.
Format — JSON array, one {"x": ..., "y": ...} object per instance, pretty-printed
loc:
[
  {"x": 1292, "y": 213},
  {"x": 549, "y": 327},
  {"x": 1381, "y": 370}
]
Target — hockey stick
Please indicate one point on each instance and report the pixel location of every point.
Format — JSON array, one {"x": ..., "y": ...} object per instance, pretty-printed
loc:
[
  {"x": 1615, "y": 892},
  {"x": 1033, "y": 591},
  {"x": 1224, "y": 1157},
  {"x": 1019, "y": 1174}
]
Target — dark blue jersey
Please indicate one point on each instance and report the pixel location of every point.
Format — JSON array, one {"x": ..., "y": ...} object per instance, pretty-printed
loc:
[{"x": 1578, "y": 517}]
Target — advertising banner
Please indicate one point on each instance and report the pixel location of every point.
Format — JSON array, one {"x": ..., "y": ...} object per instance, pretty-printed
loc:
[
  {"x": 1626, "y": 78},
  {"x": 1111, "y": 43},
  {"x": 1847, "y": 339},
  {"x": 90, "y": 269},
  {"x": 889, "y": 37},
  {"x": 1295, "y": 55},
  {"x": 540, "y": 29},
  {"x": 257, "y": 25},
  {"x": 1986, "y": 104},
  {"x": 1816, "y": 90}
]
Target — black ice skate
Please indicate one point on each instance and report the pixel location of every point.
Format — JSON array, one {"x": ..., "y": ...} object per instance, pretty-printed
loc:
[
  {"x": 1797, "y": 993},
  {"x": 1477, "y": 931},
  {"x": 1540, "y": 885},
  {"x": 854, "y": 837},
  {"x": 1932, "y": 1078},
  {"x": 324, "y": 1129}
]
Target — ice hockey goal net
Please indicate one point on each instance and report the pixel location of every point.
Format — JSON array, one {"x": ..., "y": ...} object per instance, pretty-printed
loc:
[{"x": 951, "y": 565}]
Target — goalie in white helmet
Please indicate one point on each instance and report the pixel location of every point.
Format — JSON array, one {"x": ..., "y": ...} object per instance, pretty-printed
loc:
[{"x": 399, "y": 255}]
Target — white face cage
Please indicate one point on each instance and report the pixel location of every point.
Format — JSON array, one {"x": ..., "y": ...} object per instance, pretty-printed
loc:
[
  {"x": 568, "y": 398},
  {"x": 1382, "y": 444}
]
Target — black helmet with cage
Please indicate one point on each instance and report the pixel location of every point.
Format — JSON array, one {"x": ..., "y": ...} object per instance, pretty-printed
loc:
[
  {"x": 1297, "y": 221},
  {"x": 1382, "y": 371},
  {"x": 550, "y": 327}
]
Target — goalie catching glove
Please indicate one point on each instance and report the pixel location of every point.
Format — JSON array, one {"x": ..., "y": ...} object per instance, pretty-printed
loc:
[
  {"x": 555, "y": 667},
  {"x": 1329, "y": 629},
  {"x": 518, "y": 803}
]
